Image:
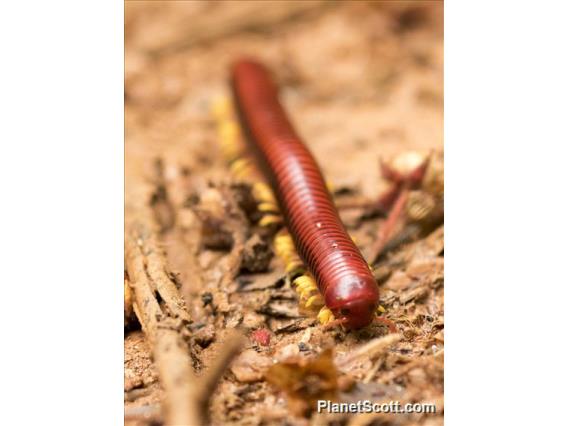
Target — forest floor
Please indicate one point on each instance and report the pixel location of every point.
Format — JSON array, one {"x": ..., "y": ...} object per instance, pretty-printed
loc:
[{"x": 361, "y": 81}]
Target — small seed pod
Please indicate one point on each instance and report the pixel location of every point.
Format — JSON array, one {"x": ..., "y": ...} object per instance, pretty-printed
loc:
[{"x": 420, "y": 205}]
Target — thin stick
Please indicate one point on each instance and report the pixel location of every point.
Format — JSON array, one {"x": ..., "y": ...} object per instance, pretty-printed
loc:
[
  {"x": 187, "y": 231},
  {"x": 164, "y": 319},
  {"x": 387, "y": 228},
  {"x": 169, "y": 348},
  {"x": 370, "y": 350},
  {"x": 159, "y": 306},
  {"x": 214, "y": 374},
  {"x": 373, "y": 371},
  {"x": 403, "y": 369}
]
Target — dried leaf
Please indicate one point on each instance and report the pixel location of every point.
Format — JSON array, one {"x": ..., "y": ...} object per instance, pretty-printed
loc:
[{"x": 305, "y": 381}]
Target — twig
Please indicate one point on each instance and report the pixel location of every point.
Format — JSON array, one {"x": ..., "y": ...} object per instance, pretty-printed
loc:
[
  {"x": 373, "y": 371},
  {"x": 357, "y": 203},
  {"x": 236, "y": 223},
  {"x": 370, "y": 350},
  {"x": 147, "y": 412},
  {"x": 214, "y": 374},
  {"x": 403, "y": 369},
  {"x": 187, "y": 233},
  {"x": 163, "y": 330},
  {"x": 159, "y": 306},
  {"x": 158, "y": 274},
  {"x": 164, "y": 318},
  {"x": 388, "y": 227}
]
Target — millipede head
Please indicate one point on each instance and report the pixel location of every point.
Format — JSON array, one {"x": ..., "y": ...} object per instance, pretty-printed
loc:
[
  {"x": 353, "y": 300},
  {"x": 357, "y": 313}
]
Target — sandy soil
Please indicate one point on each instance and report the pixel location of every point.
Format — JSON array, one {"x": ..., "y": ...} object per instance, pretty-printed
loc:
[{"x": 361, "y": 81}]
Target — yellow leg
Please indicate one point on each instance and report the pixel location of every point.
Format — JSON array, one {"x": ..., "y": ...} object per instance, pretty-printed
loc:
[
  {"x": 325, "y": 315},
  {"x": 330, "y": 186},
  {"x": 270, "y": 219},
  {"x": 306, "y": 288},
  {"x": 295, "y": 265},
  {"x": 305, "y": 283},
  {"x": 315, "y": 300},
  {"x": 231, "y": 149},
  {"x": 262, "y": 193},
  {"x": 240, "y": 164},
  {"x": 284, "y": 247},
  {"x": 268, "y": 207},
  {"x": 231, "y": 153},
  {"x": 229, "y": 131},
  {"x": 221, "y": 107}
]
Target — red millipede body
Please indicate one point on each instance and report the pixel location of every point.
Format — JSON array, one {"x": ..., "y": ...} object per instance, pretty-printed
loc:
[{"x": 341, "y": 273}]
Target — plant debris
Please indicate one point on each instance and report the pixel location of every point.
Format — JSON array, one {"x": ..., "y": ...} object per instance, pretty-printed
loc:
[
  {"x": 305, "y": 381},
  {"x": 257, "y": 255}
]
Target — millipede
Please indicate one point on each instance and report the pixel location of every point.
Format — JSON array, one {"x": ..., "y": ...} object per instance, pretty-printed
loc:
[{"x": 334, "y": 264}]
